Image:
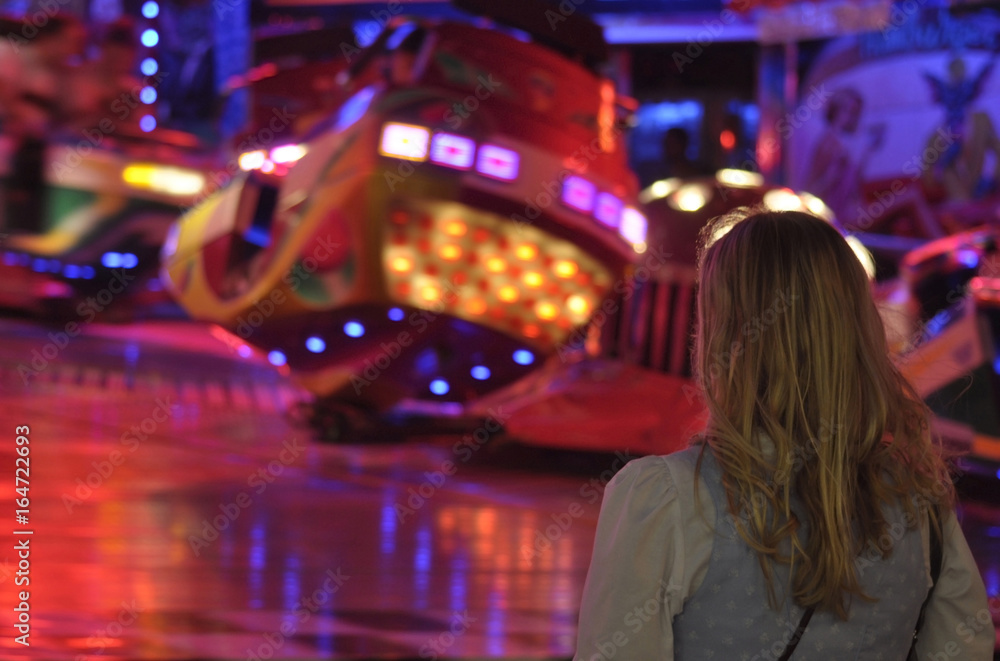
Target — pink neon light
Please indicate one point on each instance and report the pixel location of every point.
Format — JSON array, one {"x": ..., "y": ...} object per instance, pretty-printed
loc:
[
  {"x": 608, "y": 209},
  {"x": 579, "y": 193},
  {"x": 498, "y": 162},
  {"x": 452, "y": 151}
]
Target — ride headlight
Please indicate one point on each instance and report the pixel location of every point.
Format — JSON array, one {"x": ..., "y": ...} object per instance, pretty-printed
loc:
[{"x": 164, "y": 179}]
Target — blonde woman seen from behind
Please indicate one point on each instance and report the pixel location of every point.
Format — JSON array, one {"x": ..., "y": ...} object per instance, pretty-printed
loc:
[{"x": 804, "y": 513}]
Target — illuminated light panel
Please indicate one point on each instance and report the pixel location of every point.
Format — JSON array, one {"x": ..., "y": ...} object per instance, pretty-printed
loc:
[
  {"x": 660, "y": 189},
  {"x": 405, "y": 141},
  {"x": 396, "y": 314},
  {"x": 498, "y": 163},
  {"x": 496, "y": 265},
  {"x": 450, "y": 252},
  {"x": 476, "y": 306},
  {"x": 817, "y": 207},
  {"x": 455, "y": 228},
  {"x": 169, "y": 180},
  {"x": 579, "y": 194},
  {"x": 739, "y": 178},
  {"x": 634, "y": 226},
  {"x": 440, "y": 387},
  {"x": 533, "y": 279},
  {"x": 316, "y": 344},
  {"x": 276, "y": 358},
  {"x": 287, "y": 153},
  {"x": 401, "y": 264},
  {"x": 252, "y": 160},
  {"x": 508, "y": 294},
  {"x": 608, "y": 210},
  {"x": 565, "y": 268},
  {"x": 452, "y": 151},
  {"x": 691, "y": 197},
  {"x": 578, "y": 305},
  {"x": 480, "y": 372},
  {"x": 546, "y": 311},
  {"x": 354, "y": 329},
  {"x": 526, "y": 252},
  {"x": 782, "y": 199},
  {"x": 430, "y": 293}
]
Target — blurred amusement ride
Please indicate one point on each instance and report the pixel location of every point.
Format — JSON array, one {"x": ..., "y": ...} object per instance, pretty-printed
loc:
[{"x": 447, "y": 234}]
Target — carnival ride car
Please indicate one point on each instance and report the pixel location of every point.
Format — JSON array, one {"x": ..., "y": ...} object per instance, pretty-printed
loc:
[
  {"x": 97, "y": 223},
  {"x": 441, "y": 233}
]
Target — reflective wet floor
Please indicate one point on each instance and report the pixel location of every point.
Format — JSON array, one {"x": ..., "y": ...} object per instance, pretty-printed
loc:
[{"x": 176, "y": 512}]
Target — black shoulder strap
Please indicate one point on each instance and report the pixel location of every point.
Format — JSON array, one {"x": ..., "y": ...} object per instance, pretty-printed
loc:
[{"x": 797, "y": 636}]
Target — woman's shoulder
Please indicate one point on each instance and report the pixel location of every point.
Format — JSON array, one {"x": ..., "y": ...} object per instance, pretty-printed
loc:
[{"x": 659, "y": 474}]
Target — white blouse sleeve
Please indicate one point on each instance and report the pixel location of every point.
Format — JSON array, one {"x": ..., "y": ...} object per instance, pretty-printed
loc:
[
  {"x": 636, "y": 584},
  {"x": 958, "y": 623}
]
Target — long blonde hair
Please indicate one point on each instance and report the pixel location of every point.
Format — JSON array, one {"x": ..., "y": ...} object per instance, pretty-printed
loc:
[{"x": 790, "y": 351}]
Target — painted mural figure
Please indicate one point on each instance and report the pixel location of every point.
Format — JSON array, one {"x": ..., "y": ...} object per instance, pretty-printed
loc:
[
  {"x": 960, "y": 168},
  {"x": 835, "y": 172}
]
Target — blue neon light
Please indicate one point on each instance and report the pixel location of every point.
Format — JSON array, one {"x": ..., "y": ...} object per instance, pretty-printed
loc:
[
  {"x": 150, "y": 9},
  {"x": 150, "y": 38},
  {"x": 396, "y": 314},
  {"x": 354, "y": 329},
  {"x": 147, "y": 123},
  {"x": 315, "y": 344},
  {"x": 129, "y": 261},
  {"x": 112, "y": 260},
  {"x": 87, "y": 272},
  {"x": 523, "y": 357},
  {"x": 276, "y": 358},
  {"x": 481, "y": 372},
  {"x": 149, "y": 66},
  {"x": 147, "y": 95},
  {"x": 440, "y": 387}
]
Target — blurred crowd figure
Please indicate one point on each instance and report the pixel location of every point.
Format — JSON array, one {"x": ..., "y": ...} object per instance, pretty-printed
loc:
[
  {"x": 53, "y": 80},
  {"x": 676, "y": 162}
]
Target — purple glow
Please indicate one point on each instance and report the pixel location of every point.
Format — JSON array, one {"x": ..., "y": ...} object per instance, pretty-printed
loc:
[
  {"x": 497, "y": 162},
  {"x": 579, "y": 193},
  {"x": 608, "y": 210},
  {"x": 452, "y": 151}
]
